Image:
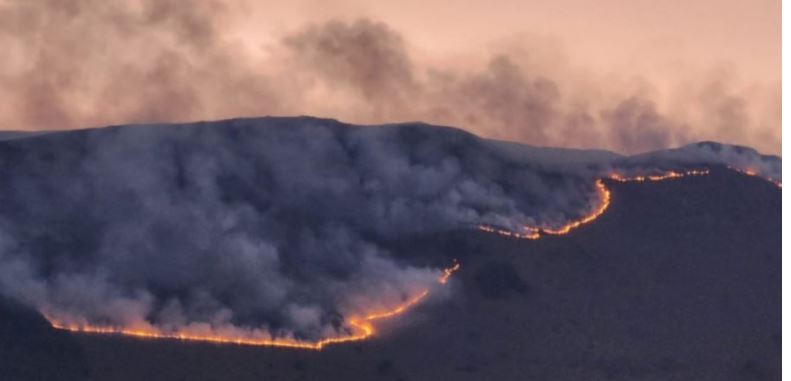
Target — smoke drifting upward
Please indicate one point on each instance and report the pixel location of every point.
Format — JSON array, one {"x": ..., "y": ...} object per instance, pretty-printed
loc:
[
  {"x": 273, "y": 227},
  {"x": 249, "y": 227},
  {"x": 79, "y": 63}
]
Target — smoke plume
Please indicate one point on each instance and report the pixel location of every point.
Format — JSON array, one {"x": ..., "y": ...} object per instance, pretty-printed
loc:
[
  {"x": 272, "y": 227},
  {"x": 79, "y": 63}
]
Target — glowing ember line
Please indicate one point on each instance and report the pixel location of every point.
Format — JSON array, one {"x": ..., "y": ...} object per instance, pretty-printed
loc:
[
  {"x": 529, "y": 232},
  {"x": 660, "y": 177},
  {"x": 604, "y": 197},
  {"x": 398, "y": 310},
  {"x": 362, "y": 327},
  {"x": 446, "y": 273},
  {"x": 751, "y": 172}
]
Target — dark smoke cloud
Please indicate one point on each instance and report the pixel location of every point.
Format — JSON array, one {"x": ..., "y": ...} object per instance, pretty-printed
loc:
[
  {"x": 276, "y": 226},
  {"x": 87, "y": 62},
  {"x": 271, "y": 226},
  {"x": 636, "y": 123},
  {"x": 367, "y": 57},
  {"x": 503, "y": 93}
]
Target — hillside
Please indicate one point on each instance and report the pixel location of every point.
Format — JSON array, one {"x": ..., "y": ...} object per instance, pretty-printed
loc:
[{"x": 677, "y": 279}]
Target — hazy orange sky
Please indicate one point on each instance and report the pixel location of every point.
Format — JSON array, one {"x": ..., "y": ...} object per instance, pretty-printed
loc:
[
  {"x": 605, "y": 34},
  {"x": 624, "y": 75}
]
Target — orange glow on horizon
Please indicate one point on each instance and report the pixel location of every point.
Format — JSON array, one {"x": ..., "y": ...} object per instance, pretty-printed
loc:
[{"x": 361, "y": 327}]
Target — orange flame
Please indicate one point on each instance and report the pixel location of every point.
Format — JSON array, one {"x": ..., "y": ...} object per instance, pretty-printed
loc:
[
  {"x": 604, "y": 197},
  {"x": 446, "y": 273},
  {"x": 604, "y": 203},
  {"x": 660, "y": 177},
  {"x": 752, "y": 172},
  {"x": 529, "y": 232},
  {"x": 361, "y": 327}
]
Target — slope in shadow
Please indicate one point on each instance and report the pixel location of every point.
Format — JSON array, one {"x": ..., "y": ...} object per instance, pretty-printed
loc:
[
  {"x": 31, "y": 350},
  {"x": 678, "y": 280}
]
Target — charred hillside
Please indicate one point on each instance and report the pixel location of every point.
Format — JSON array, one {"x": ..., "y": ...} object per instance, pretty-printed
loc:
[{"x": 677, "y": 280}]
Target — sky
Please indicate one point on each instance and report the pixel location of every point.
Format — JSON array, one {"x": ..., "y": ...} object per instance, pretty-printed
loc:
[{"x": 629, "y": 76}]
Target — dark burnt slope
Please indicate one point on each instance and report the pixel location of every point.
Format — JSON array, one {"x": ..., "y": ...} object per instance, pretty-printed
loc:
[
  {"x": 31, "y": 350},
  {"x": 678, "y": 280}
]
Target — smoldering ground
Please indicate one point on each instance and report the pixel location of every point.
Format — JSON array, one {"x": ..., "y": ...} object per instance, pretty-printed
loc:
[
  {"x": 238, "y": 226},
  {"x": 85, "y": 63},
  {"x": 271, "y": 226}
]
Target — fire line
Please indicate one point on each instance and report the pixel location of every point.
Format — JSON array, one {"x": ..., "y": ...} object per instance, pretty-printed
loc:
[
  {"x": 362, "y": 326},
  {"x": 604, "y": 198},
  {"x": 752, "y": 172}
]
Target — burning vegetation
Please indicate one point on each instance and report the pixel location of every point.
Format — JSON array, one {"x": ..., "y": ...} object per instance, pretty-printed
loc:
[
  {"x": 362, "y": 327},
  {"x": 275, "y": 231},
  {"x": 602, "y": 202},
  {"x": 359, "y": 327}
]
